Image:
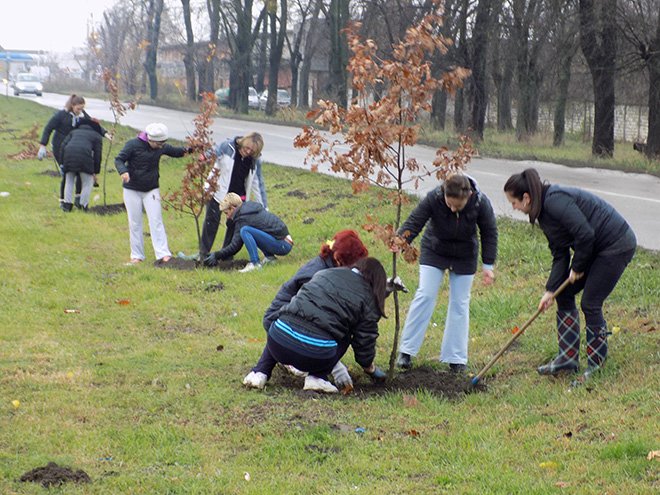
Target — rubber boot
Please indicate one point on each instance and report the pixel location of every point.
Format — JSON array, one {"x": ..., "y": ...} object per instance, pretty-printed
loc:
[
  {"x": 568, "y": 336},
  {"x": 67, "y": 207},
  {"x": 596, "y": 352}
]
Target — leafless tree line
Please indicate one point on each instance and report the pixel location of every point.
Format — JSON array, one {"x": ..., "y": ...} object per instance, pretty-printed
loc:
[{"x": 521, "y": 53}]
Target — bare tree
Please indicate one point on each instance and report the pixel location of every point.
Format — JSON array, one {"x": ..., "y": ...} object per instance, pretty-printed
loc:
[
  {"x": 482, "y": 27},
  {"x": 598, "y": 39},
  {"x": 189, "y": 57},
  {"x": 153, "y": 21},
  {"x": 276, "y": 47},
  {"x": 311, "y": 40}
]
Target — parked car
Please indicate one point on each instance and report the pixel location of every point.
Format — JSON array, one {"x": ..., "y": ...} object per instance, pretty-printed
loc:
[
  {"x": 283, "y": 99},
  {"x": 222, "y": 96},
  {"x": 253, "y": 98},
  {"x": 27, "y": 83}
]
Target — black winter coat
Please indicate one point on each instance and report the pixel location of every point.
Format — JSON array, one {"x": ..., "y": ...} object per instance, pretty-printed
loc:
[
  {"x": 82, "y": 151},
  {"x": 338, "y": 304},
  {"x": 252, "y": 214},
  {"x": 575, "y": 219},
  {"x": 141, "y": 161},
  {"x": 61, "y": 124},
  {"x": 292, "y": 286},
  {"x": 450, "y": 240}
]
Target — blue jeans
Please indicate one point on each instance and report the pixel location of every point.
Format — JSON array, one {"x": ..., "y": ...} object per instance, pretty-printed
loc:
[
  {"x": 255, "y": 238},
  {"x": 455, "y": 339}
]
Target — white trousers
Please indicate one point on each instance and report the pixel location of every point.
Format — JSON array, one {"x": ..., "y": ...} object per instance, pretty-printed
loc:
[
  {"x": 457, "y": 325},
  {"x": 134, "y": 201},
  {"x": 87, "y": 181}
]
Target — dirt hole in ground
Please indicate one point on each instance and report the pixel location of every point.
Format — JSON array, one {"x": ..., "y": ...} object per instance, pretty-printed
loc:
[
  {"x": 51, "y": 173},
  {"x": 441, "y": 383},
  {"x": 189, "y": 265},
  {"x": 53, "y": 475},
  {"x": 107, "y": 209}
]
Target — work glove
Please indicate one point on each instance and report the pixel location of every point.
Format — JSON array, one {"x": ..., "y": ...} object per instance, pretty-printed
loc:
[
  {"x": 341, "y": 376},
  {"x": 395, "y": 284},
  {"x": 42, "y": 152},
  {"x": 211, "y": 259},
  {"x": 378, "y": 375}
]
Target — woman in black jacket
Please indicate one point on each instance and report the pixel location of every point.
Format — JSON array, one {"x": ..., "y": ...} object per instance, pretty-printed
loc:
[
  {"x": 455, "y": 214},
  {"x": 60, "y": 125},
  {"x": 81, "y": 156},
  {"x": 138, "y": 165},
  {"x": 337, "y": 308},
  {"x": 602, "y": 243}
]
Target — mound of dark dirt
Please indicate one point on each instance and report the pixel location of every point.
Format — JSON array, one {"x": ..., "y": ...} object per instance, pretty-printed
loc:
[
  {"x": 107, "y": 209},
  {"x": 189, "y": 265},
  {"x": 53, "y": 475},
  {"x": 440, "y": 383},
  {"x": 51, "y": 173}
]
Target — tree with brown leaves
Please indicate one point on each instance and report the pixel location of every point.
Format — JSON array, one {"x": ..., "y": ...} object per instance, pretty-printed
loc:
[{"x": 379, "y": 133}]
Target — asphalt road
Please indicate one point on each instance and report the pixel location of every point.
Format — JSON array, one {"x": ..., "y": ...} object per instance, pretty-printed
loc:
[{"x": 635, "y": 196}]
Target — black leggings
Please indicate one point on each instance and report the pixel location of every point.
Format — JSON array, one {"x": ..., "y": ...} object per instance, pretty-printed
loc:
[{"x": 598, "y": 283}]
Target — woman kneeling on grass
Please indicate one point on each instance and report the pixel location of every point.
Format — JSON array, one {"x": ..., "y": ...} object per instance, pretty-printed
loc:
[
  {"x": 337, "y": 308},
  {"x": 603, "y": 244}
]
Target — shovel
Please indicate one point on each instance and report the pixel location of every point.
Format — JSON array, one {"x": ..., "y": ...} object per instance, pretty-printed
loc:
[{"x": 480, "y": 375}]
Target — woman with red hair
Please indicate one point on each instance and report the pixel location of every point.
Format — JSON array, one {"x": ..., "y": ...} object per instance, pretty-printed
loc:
[{"x": 344, "y": 249}]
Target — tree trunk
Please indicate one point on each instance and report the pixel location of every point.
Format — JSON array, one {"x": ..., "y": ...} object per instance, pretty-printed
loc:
[
  {"x": 479, "y": 69},
  {"x": 439, "y": 110},
  {"x": 260, "y": 83},
  {"x": 153, "y": 33},
  {"x": 338, "y": 18},
  {"x": 562, "y": 96},
  {"x": 276, "y": 47},
  {"x": 598, "y": 41},
  {"x": 308, "y": 55},
  {"x": 189, "y": 57}
]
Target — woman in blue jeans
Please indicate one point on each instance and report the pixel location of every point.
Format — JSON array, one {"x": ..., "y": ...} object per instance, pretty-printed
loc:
[
  {"x": 602, "y": 243},
  {"x": 251, "y": 224}
]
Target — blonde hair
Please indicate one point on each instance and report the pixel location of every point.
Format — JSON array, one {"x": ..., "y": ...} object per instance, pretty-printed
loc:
[{"x": 255, "y": 140}]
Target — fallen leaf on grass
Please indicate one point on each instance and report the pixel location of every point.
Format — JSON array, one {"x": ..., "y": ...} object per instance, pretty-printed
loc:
[
  {"x": 257, "y": 340},
  {"x": 410, "y": 400},
  {"x": 548, "y": 465},
  {"x": 413, "y": 433},
  {"x": 123, "y": 303},
  {"x": 16, "y": 404},
  {"x": 347, "y": 390},
  {"x": 615, "y": 330},
  {"x": 562, "y": 484},
  {"x": 654, "y": 454},
  {"x": 220, "y": 348}
]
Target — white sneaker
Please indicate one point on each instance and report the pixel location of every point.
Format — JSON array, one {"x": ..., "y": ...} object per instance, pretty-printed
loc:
[
  {"x": 249, "y": 267},
  {"x": 319, "y": 385},
  {"x": 295, "y": 371},
  {"x": 255, "y": 379},
  {"x": 268, "y": 259}
]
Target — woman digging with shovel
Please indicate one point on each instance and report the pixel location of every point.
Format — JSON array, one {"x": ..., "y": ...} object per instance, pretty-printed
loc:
[{"x": 602, "y": 243}]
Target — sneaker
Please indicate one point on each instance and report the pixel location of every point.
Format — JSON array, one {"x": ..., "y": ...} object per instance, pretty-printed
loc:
[
  {"x": 457, "y": 368},
  {"x": 268, "y": 259},
  {"x": 319, "y": 385},
  {"x": 255, "y": 379},
  {"x": 404, "y": 361},
  {"x": 250, "y": 266},
  {"x": 295, "y": 371}
]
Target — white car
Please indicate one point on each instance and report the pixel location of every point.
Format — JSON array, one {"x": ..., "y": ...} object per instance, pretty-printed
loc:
[
  {"x": 253, "y": 98},
  {"x": 27, "y": 83},
  {"x": 283, "y": 99}
]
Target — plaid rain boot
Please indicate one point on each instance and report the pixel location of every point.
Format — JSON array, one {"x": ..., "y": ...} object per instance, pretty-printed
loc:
[
  {"x": 568, "y": 335},
  {"x": 596, "y": 352}
]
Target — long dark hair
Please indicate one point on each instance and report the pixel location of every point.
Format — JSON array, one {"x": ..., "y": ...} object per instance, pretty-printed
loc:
[
  {"x": 528, "y": 181},
  {"x": 374, "y": 274},
  {"x": 73, "y": 100}
]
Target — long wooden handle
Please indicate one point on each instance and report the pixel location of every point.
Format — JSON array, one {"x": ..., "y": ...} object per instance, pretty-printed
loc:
[{"x": 513, "y": 338}]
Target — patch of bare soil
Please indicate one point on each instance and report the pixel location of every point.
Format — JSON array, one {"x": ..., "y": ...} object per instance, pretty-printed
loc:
[
  {"x": 189, "y": 265},
  {"x": 107, "y": 209},
  {"x": 441, "y": 383},
  {"x": 53, "y": 475},
  {"x": 51, "y": 173}
]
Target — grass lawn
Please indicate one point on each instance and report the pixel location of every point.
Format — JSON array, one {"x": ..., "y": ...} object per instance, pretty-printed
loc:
[{"x": 142, "y": 388}]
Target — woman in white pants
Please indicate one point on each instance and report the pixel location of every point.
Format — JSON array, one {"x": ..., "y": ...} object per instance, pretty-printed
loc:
[{"x": 138, "y": 165}]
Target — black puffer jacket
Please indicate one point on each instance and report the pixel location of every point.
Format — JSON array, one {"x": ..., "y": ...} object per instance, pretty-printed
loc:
[
  {"x": 450, "y": 239},
  {"x": 82, "y": 150},
  {"x": 252, "y": 214},
  {"x": 575, "y": 219},
  {"x": 141, "y": 161},
  {"x": 338, "y": 304},
  {"x": 61, "y": 124}
]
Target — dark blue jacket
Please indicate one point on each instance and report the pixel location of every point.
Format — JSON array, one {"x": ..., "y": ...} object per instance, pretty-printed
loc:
[
  {"x": 82, "y": 150},
  {"x": 450, "y": 239},
  {"x": 252, "y": 214},
  {"x": 141, "y": 161},
  {"x": 338, "y": 304},
  {"x": 61, "y": 124},
  {"x": 292, "y": 286},
  {"x": 575, "y": 219}
]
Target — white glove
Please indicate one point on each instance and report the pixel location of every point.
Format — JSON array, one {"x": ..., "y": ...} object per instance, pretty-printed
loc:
[
  {"x": 42, "y": 152},
  {"x": 341, "y": 376},
  {"x": 395, "y": 284}
]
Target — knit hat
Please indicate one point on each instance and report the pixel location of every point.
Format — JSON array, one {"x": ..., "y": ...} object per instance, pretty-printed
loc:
[
  {"x": 231, "y": 199},
  {"x": 156, "y": 132}
]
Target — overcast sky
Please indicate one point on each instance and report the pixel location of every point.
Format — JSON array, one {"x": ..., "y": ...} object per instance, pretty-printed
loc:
[{"x": 51, "y": 25}]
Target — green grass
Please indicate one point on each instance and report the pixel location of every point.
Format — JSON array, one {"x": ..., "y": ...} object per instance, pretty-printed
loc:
[{"x": 140, "y": 398}]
